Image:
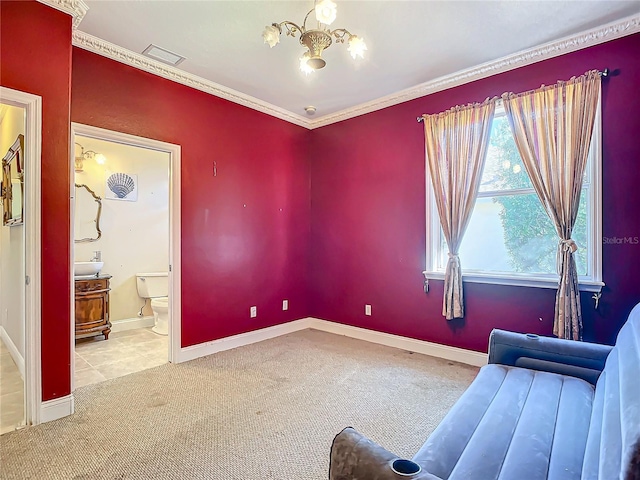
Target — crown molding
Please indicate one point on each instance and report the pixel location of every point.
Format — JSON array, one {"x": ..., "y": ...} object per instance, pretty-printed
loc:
[
  {"x": 605, "y": 33},
  {"x": 122, "y": 55},
  {"x": 595, "y": 36},
  {"x": 76, "y": 8}
]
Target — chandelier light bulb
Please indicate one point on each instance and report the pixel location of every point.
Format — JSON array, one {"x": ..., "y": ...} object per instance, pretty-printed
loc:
[
  {"x": 100, "y": 159},
  {"x": 304, "y": 65},
  {"x": 271, "y": 35},
  {"x": 316, "y": 38},
  {"x": 357, "y": 47},
  {"x": 326, "y": 11}
]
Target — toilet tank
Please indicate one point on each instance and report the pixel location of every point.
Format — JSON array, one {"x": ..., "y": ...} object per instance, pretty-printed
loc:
[{"x": 152, "y": 285}]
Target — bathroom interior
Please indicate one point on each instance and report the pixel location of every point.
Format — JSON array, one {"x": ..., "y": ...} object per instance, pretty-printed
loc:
[{"x": 121, "y": 259}]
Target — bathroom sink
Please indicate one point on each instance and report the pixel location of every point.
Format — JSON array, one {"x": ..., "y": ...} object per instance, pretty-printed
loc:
[{"x": 87, "y": 269}]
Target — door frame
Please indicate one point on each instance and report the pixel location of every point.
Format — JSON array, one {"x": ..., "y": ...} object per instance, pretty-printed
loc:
[
  {"x": 32, "y": 248},
  {"x": 175, "y": 269}
]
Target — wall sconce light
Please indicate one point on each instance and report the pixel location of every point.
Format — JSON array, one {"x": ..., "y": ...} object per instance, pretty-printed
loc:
[{"x": 87, "y": 155}]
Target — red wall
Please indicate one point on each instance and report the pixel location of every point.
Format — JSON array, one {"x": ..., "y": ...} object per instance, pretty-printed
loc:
[
  {"x": 368, "y": 214},
  {"x": 245, "y": 232},
  {"x": 35, "y": 48},
  {"x": 251, "y": 236}
]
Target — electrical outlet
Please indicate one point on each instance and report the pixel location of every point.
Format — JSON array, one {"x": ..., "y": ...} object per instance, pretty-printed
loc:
[
  {"x": 367, "y": 310},
  {"x": 285, "y": 304},
  {"x": 253, "y": 312}
]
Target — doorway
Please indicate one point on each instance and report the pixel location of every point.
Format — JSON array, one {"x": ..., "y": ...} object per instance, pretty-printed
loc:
[
  {"x": 125, "y": 211},
  {"x": 20, "y": 142},
  {"x": 12, "y": 269}
]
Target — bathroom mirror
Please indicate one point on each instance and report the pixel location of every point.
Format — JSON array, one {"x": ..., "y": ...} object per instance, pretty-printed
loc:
[
  {"x": 88, "y": 208},
  {"x": 13, "y": 183}
]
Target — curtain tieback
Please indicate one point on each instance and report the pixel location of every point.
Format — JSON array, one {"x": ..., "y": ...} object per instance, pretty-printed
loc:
[
  {"x": 565, "y": 246},
  {"x": 453, "y": 255},
  {"x": 568, "y": 245}
]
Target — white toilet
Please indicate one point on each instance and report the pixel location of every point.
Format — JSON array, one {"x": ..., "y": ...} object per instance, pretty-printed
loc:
[{"x": 156, "y": 287}]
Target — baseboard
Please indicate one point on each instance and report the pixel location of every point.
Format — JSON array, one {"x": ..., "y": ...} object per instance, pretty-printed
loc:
[
  {"x": 13, "y": 351},
  {"x": 132, "y": 323},
  {"x": 57, "y": 408},
  {"x": 227, "y": 343},
  {"x": 461, "y": 355}
]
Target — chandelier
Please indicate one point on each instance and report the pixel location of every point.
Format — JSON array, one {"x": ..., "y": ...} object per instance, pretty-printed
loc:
[{"x": 315, "y": 40}]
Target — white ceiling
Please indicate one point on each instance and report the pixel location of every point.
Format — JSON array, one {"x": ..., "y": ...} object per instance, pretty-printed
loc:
[{"x": 410, "y": 42}]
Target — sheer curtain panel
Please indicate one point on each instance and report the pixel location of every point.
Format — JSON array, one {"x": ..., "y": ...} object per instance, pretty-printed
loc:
[
  {"x": 552, "y": 127},
  {"x": 456, "y": 144}
]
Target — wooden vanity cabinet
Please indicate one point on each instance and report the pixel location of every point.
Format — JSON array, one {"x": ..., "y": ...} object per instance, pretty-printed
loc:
[{"x": 92, "y": 306}]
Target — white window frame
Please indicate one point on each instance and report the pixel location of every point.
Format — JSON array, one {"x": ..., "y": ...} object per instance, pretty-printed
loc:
[{"x": 591, "y": 283}]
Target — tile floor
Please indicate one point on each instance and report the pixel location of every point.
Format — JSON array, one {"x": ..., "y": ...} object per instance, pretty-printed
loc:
[
  {"x": 124, "y": 353},
  {"x": 11, "y": 392},
  {"x": 96, "y": 360}
]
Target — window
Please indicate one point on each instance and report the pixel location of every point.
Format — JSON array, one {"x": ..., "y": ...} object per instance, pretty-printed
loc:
[{"x": 510, "y": 238}]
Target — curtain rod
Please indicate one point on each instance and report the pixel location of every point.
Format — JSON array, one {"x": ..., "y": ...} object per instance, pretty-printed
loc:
[{"x": 603, "y": 73}]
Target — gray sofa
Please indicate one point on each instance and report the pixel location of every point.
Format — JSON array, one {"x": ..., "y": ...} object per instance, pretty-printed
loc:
[{"x": 543, "y": 408}]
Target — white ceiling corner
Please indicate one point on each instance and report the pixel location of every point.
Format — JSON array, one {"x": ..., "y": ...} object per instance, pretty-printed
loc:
[
  {"x": 456, "y": 47},
  {"x": 122, "y": 55},
  {"x": 595, "y": 36}
]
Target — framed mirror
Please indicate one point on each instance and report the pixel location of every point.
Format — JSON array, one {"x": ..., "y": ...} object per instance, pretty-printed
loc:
[
  {"x": 13, "y": 184},
  {"x": 87, "y": 217}
]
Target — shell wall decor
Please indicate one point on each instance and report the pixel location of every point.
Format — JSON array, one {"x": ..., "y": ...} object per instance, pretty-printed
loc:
[{"x": 122, "y": 186}]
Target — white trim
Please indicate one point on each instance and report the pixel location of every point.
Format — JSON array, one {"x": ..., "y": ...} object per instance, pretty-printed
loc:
[
  {"x": 517, "y": 281},
  {"x": 72, "y": 246},
  {"x": 595, "y": 36},
  {"x": 57, "y": 408},
  {"x": 13, "y": 351},
  {"x": 455, "y": 354},
  {"x": 175, "y": 269},
  {"x": 33, "y": 268},
  {"x": 240, "y": 340},
  {"x": 132, "y": 323},
  {"x": 468, "y": 357},
  {"x": 595, "y": 190},
  {"x": 175, "y": 256},
  {"x": 141, "y": 62}
]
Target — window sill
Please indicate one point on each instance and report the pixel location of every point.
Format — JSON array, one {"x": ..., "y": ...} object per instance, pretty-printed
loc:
[{"x": 584, "y": 286}]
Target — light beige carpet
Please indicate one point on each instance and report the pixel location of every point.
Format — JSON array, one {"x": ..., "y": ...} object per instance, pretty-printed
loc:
[{"x": 264, "y": 411}]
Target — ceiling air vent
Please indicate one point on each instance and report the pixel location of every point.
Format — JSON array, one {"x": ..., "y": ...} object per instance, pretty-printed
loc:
[{"x": 164, "y": 56}]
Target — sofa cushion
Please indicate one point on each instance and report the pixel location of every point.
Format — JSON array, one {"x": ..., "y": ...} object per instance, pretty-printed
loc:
[
  {"x": 615, "y": 422},
  {"x": 513, "y": 423}
]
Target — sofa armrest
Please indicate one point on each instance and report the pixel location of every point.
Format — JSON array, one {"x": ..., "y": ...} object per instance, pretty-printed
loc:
[
  {"x": 577, "y": 359},
  {"x": 355, "y": 457}
]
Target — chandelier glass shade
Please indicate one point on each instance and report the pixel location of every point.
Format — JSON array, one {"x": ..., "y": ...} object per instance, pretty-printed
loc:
[{"x": 316, "y": 40}]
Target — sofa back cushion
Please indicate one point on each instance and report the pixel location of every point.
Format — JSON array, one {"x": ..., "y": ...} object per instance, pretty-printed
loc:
[{"x": 613, "y": 444}]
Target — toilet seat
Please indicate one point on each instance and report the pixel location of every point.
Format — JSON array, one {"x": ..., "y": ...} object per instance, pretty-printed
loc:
[{"x": 160, "y": 302}]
